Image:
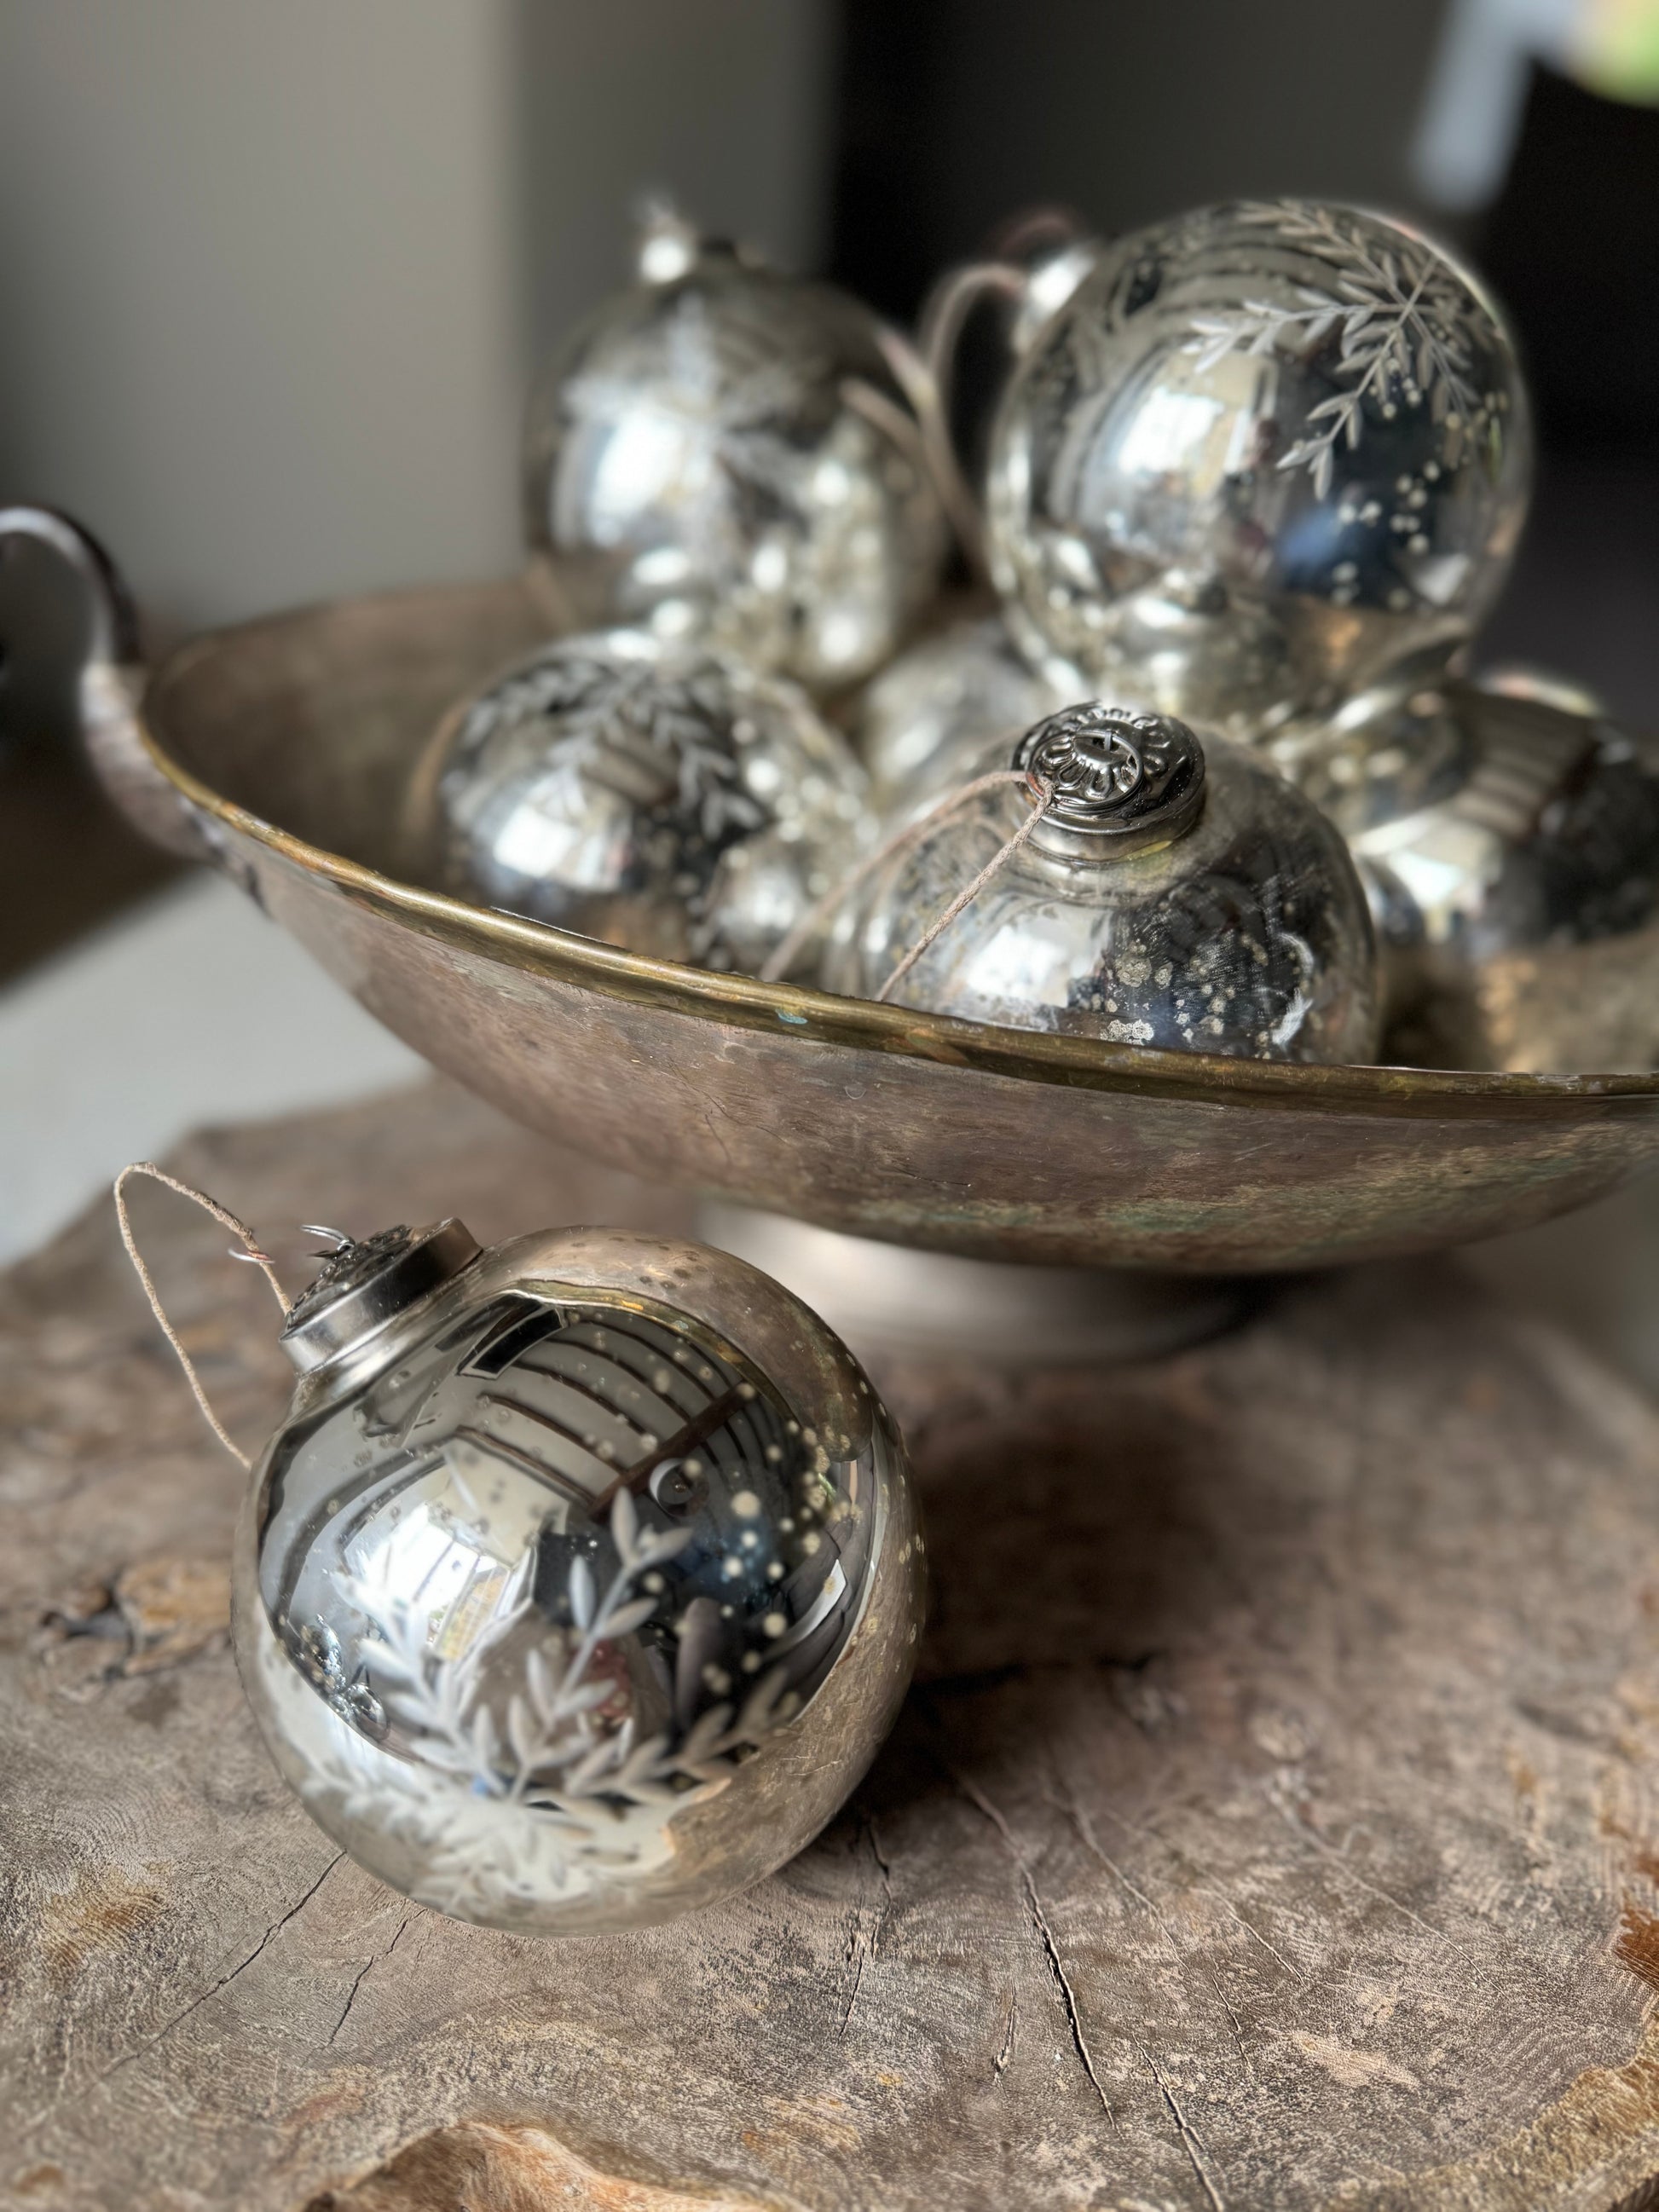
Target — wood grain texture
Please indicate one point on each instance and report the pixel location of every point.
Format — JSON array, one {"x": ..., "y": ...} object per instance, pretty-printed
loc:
[{"x": 1274, "y": 1823}]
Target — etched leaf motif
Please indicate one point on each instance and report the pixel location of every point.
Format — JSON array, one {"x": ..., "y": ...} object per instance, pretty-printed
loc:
[
  {"x": 1400, "y": 319},
  {"x": 551, "y": 1794}
]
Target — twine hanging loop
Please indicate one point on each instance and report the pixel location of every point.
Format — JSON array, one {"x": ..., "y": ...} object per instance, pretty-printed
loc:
[{"x": 251, "y": 1250}]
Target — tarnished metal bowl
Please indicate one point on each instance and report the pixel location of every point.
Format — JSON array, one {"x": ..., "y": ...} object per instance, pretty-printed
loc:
[{"x": 277, "y": 749}]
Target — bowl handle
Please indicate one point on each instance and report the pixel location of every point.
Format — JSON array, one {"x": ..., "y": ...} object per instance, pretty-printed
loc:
[{"x": 111, "y": 685}]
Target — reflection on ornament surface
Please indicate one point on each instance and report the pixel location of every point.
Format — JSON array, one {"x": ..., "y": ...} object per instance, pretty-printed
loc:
[
  {"x": 1175, "y": 894},
  {"x": 1510, "y": 846},
  {"x": 666, "y": 799},
  {"x": 726, "y": 452},
  {"x": 1264, "y": 451},
  {"x": 567, "y": 1614},
  {"x": 939, "y": 704}
]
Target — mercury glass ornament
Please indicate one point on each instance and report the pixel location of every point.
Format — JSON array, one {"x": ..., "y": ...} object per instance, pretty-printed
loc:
[
  {"x": 1511, "y": 849},
  {"x": 1265, "y": 452},
  {"x": 581, "y": 1581},
  {"x": 943, "y": 702},
  {"x": 728, "y": 452},
  {"x": 1175, "y": 894},
  {"x": 664, "y": 799}
]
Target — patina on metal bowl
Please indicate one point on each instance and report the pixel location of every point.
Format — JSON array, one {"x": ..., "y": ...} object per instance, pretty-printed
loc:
[{"x": 279, "y": 748}]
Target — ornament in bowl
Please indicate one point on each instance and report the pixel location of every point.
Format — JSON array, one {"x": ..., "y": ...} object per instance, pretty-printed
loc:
[
  {"x": 1266, "y": 452},
  {"x": 726, "y": 452},
  {"x": 666, "y": 797}
]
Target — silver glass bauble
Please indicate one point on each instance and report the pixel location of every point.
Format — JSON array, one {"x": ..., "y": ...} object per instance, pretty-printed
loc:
[
  {"x": 941, "y": 703},
  {"x": 1511, "y": 848},
  {"x": 726, "y": 451},
  {"x": 663, "y": 798},
  {"x": 1264, "y": 451},
  {"x": 582, "y": 1579},
  {"x": 1174, "y": 894}
]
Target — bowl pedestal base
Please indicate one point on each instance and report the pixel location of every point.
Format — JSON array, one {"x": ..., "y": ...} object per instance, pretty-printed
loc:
[{"x": 894, "y": 1300}]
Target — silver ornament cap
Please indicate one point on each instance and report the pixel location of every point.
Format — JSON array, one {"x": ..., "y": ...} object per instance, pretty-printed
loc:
[
  {"x": 1118, "y": 782},
  {"x": 362, "y": 1286}
]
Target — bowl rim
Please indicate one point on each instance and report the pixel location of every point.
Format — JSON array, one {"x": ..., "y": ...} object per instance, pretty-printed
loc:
[{"x": 822, "y": 1016}]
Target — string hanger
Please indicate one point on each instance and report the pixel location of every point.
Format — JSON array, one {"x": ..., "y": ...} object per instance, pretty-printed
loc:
[
  {"x": 251, "y": 1251},
  {"x": 1040, "y": 795}
]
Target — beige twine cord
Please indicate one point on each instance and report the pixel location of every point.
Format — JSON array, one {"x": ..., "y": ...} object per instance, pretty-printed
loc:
[
  {"x": 784, "y": 955},
  {"x": 1041, "y": 796},
  {"x": 250, "y": 1251}
]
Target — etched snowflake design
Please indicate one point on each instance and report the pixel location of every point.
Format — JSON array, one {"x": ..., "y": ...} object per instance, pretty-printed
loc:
[
  {"x": 1401, "y": 319},
  {"x": 509, "y": 1804},
  {"x": 716, "y": 385}
]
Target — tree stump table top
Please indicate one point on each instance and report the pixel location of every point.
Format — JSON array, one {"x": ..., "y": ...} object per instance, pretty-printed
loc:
[{"x": 1273, "y": 1822}]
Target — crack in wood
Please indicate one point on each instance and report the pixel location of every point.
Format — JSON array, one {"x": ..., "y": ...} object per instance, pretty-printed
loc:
[
  {"x": 1237, "y": 2025},
  {"x": 1065, "y": 1803},
  {"x": 1304, "y": 1828},
  {"x": 224, "y": 1981},
  {"x": 1007, "y": 2050},
  {"x": 976, "y": 1797},
  {"x": 1190, "y": 2142},
  {"x": 860, "y": 1947},
  {"x": 351, "y": 1998},
  {"x": 1206, "y": 1889},
  {"x": 372, "y": 1959}
]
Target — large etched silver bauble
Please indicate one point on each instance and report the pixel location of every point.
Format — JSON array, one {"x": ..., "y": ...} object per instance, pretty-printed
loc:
[
  {"x": 583, "y": 1580},
  {"x": 1176, "y": 894},
  {"x": 941, "y": 703},
  {"x": 726, "y": 452},
  {"x": 1511, "y": 848},
  {"x": 663, "y": 798},
  {"x": 1266, "y": 452}
]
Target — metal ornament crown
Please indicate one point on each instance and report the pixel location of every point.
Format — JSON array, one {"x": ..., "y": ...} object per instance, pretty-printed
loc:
[
  {"x": 1111, "y": 774},
  {"x": 362, "y": 1285}
]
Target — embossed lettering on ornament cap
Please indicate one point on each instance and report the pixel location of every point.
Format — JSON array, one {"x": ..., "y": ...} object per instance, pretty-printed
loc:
[{"x": 1115, "y": 774}]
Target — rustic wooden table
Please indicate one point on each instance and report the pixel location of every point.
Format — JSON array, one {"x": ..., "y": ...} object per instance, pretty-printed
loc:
[{"x": 1273, "y": 1824}]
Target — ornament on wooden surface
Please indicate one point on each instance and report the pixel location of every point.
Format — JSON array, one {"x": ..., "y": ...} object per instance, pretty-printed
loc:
[
  {"x": 726, "y": 451},
  {"x": 582, "y": 1579},
  {"x": 1509, "y": 842},
  {"x": 667, "y": 799},
  {"x": 1264, "y": 451},
  {"x": 1141, "y": 887}
]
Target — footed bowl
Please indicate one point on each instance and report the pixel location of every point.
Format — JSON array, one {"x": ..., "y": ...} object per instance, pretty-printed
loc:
[{"x": 278, "y": 748}]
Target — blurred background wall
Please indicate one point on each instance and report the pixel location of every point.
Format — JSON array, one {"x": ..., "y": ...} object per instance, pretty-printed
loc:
[
  {"x": 961, "y": 111},
  {"x": 273, "y": 270},
  {"x": 274, "y": 273}
]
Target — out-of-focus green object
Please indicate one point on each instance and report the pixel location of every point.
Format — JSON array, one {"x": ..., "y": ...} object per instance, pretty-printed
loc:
[{"x": 1615, "y": 50}]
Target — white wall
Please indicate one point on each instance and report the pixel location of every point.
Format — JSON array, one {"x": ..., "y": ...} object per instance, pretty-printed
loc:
[{"x": 269, "y": 268}]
